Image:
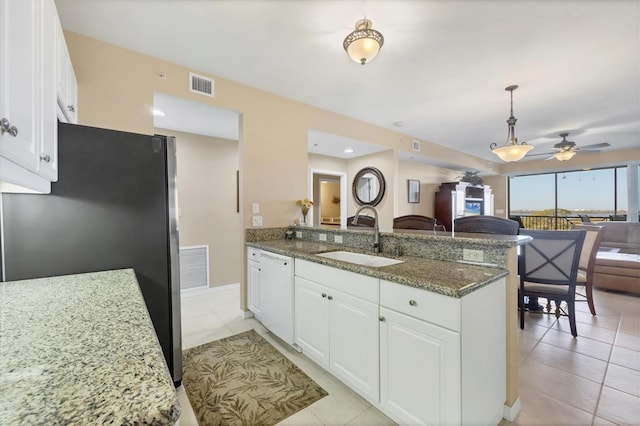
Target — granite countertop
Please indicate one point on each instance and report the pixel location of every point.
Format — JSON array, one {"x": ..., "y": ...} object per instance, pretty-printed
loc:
[
  {"x": 454, "y": 279},
  {"x": 81, "y": 349}
]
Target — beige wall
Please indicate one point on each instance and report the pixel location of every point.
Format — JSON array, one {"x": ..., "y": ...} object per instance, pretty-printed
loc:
[
  {"x": 207, "y": 201},
  {"x": 499, "y": 190}
]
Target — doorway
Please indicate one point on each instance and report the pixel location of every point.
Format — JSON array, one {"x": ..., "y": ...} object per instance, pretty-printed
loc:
[{"x": 329, "y": 191}]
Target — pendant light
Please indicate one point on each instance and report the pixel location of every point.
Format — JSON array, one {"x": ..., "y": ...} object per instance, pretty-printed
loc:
[
  {"x": 511, "y": 151},
  {"x": 364, "y": 43}
]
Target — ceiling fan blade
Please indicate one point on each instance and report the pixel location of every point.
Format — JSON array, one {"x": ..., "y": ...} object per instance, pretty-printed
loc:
[
  {"x": 594, "y": 146},
  {"x": 550, "y": 158},
  {"x": 536, "y": 155}
]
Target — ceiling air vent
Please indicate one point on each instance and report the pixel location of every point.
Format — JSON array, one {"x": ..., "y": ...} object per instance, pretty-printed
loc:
[{"x": 201, "y": 85}]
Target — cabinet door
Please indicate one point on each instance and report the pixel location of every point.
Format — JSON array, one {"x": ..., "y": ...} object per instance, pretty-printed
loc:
[
  {"x": 48, "y": 149},
  {"x": 19, "y": 85},
  {"x": 66, "y": 84},
  {"x": 253, "y": 285},
  {"x": 419, "y": 369},
  {"x": 312, "y": 320},
  {"x": 354, "y": 343}
]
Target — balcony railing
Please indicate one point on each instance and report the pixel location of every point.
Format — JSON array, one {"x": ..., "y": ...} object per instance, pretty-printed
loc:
[{"x": 559, "y": 222}]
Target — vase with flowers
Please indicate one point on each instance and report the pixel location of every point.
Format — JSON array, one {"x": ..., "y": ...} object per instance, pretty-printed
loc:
[{"x": 304, "y": 205}]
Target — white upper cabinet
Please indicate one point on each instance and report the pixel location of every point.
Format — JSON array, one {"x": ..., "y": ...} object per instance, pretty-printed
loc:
[
  {"x": 67, "y": 86},
  {"x": 20, "y": 26},
  {"x": 29, "y": 88}
]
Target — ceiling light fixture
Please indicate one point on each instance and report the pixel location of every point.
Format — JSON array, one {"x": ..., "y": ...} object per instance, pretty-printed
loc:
[
  {"x": 511, "y": 151},
  {"x": 564, "y": 155},
  {"x": 348, "y": 150},
  {"x": 364, "y": 43}
]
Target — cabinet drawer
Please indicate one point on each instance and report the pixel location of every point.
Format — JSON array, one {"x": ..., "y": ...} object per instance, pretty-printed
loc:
[
  {"x": 358, "y": 285},
  {"x": 253, "y": 254},
  {"x": 425, "y": 305}
]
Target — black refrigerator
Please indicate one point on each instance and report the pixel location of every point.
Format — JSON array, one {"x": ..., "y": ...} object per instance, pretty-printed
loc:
[{"x": 114, "y": 206}]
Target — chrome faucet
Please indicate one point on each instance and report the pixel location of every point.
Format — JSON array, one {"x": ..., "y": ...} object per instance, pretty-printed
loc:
[{"x": 376, "y": 230}]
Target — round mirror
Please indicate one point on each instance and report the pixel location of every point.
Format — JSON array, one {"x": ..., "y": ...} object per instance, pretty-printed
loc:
[{"x": 368, "y": 187}]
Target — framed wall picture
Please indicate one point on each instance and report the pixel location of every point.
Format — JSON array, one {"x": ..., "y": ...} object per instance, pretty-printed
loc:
[{"x": 414, "y": 190}]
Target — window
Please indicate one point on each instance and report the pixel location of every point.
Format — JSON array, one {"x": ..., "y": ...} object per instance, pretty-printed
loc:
[{"x": 555, "y": 200}]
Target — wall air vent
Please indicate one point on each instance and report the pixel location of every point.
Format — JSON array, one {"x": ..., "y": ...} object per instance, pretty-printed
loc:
[
  {"x": 201, "y": 85},
  {"x": 194, "y": 267}
]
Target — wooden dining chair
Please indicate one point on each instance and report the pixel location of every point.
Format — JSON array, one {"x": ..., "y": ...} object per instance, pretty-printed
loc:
[
  {"x": 486, "y": 225},
  {"x": 588, "y": 260},
  {"x": 414, "y": 221},
  {"x": 363, "y": 221},
  {"x": 548, "y": 268}
]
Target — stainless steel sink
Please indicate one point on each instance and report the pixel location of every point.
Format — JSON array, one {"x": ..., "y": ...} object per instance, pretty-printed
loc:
[{"x": 360, "y": 258}]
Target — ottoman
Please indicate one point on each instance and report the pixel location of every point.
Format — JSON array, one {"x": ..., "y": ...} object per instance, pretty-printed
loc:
[{"x": 617, "y": 271}]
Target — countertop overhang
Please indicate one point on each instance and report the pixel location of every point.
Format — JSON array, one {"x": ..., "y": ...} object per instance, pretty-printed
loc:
[
  {"x": 454, "y": 279},
  {"x": 81, "y": 349}
]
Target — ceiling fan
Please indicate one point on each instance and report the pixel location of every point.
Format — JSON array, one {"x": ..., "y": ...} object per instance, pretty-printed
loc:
[{"x": 565, "y": 150}]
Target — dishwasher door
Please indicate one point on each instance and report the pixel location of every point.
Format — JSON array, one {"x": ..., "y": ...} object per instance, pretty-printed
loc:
[{"x": 276, "y": 294}]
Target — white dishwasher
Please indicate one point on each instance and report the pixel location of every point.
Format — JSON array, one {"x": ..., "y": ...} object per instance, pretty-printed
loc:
[{"x": 276, "y": 294}]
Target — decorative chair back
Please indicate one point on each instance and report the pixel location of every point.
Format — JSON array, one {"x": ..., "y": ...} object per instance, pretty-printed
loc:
[
  {"x": 552, "y": 257},
  {"x": 414, "y": 221},
  {"x": 486, "y": 225},
  {"x": 588, "y": 256}
]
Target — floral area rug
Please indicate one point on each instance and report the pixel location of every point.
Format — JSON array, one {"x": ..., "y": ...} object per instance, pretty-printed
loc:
[{"x": 244, "y": 380}]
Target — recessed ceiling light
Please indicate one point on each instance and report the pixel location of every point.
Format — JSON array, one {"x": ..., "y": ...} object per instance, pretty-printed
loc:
[
  {"x": 158, "y": 113},
  {"x": 348, "y": 150}
]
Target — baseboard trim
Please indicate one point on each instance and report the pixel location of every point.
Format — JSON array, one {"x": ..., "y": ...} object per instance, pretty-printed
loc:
[
  {"x": 510, "y": 413},
  {"x": 206, "y": 290}
]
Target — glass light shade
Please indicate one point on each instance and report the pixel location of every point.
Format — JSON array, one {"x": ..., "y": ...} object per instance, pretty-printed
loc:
[
  {"x": 363, "y": 50},
  {"x": 511, "y": 153},
  {"x": 364, "y": 43},
  {"x": 564, "y": 155}
]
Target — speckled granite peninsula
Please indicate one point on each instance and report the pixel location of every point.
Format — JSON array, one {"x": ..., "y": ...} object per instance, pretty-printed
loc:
[
  {"x": 431, "y": 261},
  {"x": 81, "y": 349}
]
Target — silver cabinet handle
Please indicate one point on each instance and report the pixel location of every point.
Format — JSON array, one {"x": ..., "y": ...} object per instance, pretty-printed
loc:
[
  {"x": 45, "y": 158},
  {"x": 413, "y": 303},
  {"x": 324, "y": 294},
  {"x": 382, "y": 319},
  {"x": 5, "y": 126},
  {"x": 330, "y": 297},
  {"x": 71, "y": 108}
]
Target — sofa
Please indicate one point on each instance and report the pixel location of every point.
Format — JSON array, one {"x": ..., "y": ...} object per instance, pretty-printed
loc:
[{"x": 618, "y": 259}]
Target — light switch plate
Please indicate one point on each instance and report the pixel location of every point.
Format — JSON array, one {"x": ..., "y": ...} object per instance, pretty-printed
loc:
[
  {"x": 255, "y": 208},
  {"x": 337, "y": 239},
  {"x": 298, "y": 234},
  {"x": 256, "y": 220},
  {"x": 322, "y": 237}
]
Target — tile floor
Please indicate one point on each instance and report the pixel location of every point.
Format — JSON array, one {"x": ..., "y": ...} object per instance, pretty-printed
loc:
[{"x": 591, "y": 380}]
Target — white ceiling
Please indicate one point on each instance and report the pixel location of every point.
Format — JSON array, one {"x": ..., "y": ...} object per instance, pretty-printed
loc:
[{"x": 442, "y": 70}]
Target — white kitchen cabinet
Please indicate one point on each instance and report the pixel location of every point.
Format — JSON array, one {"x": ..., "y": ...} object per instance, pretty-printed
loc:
[
  {"x": 66, "y": 83},
  {"x": 336, "y": 321},
  {"x": 312, "y": 320},
  {"x": 253, "y": 281},
  {"x": 442, "y": 359},
  {"x": 419, "y": 370},
  {"x": 28, "y": 147}
]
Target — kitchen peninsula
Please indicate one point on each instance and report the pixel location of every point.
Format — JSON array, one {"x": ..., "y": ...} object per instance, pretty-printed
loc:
[
  {"x": 81, "y": 349},
  {"x": 433, "y": 340}
]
